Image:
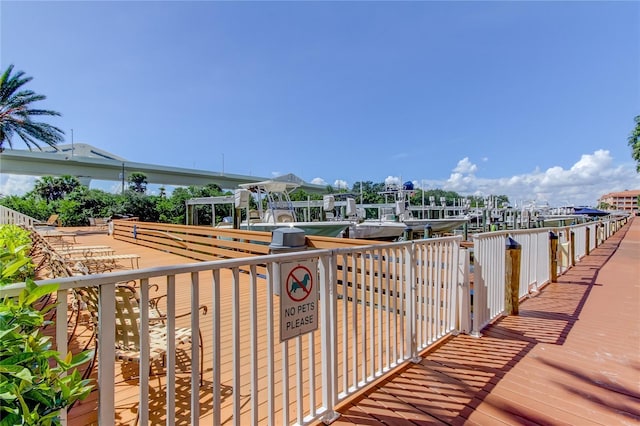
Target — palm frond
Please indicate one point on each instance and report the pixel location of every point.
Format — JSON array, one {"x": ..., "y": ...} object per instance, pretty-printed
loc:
[{"x": 16, "y": 113}]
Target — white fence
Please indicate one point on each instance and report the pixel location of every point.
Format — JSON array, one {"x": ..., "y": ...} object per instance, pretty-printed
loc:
[
  {"x": 536, "y": 261},
  {"x": 379, "y": 306},
  {"x": 8, "y": 215}
]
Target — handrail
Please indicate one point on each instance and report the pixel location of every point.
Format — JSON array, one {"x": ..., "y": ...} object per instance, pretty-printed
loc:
[{"x": 10, "y": 216}]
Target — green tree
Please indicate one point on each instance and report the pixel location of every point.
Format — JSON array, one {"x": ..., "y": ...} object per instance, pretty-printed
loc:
[
  {"x": 55, "y": 188},
  {"x": 174, "y": 210},
  {"x": 138, "y": 182},
  {"x": 16, "y": 114},
  {"x": 634, "y": 142},
  {"x": 369, "y": 192},
  {"x": 35, "y": 207}
]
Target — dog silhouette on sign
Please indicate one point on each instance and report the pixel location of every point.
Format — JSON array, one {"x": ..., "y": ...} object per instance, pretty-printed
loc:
[{"x": 295, "y": 285}]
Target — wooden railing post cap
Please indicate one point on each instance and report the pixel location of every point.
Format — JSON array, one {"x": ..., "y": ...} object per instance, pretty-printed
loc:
[{"x": 512, "y": 244}]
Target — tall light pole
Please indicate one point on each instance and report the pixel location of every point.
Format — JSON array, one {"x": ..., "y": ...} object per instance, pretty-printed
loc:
[{"x": 422, "y": 183}]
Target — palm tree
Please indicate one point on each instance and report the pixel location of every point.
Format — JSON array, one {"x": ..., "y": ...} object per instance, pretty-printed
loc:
[
  {"x": 16, "y": 114},
  {"x": 138, "y": 182},
  {"x": 55, "y": 188}
]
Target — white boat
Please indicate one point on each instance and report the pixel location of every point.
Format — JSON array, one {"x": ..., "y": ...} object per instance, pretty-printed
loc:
[
  {"x": 437, "y": 226},
  {"x": 386, "y": 228},
  {"x": 418, "y": 225},
  {"x": 275, "y": 210}
]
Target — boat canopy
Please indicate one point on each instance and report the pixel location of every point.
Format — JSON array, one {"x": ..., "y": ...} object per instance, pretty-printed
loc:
[
  {"x": 590, "y": 212},
  {"x": 270, "y": 186}
]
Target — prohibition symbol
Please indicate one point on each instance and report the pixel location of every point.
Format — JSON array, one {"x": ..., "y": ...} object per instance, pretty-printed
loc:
[
  {"x": 299, "y": 304},
  {"x": 299, "y": 283}
]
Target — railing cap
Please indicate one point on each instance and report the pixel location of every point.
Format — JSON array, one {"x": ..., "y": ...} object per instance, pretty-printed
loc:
[{"x": 512, "y": 244}]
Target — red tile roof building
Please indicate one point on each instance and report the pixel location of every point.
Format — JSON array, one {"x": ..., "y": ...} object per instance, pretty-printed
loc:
[{"x": 624, "y": 201}]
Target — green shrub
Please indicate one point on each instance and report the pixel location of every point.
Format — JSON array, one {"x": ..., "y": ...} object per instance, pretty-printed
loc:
[
  {"x": 15, "y": 264},
  {"x": 35, "y": 381}
]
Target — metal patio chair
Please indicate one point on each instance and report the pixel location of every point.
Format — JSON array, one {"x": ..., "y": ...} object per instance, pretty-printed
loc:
[{"x": 127, "y": 327}]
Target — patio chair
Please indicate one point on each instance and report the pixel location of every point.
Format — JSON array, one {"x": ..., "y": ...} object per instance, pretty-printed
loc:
[
  {"x": 100, "y": 223},
  {"x": 40, "y": 249},
  {"x": 127, "y": 327},
  {"x": 54, "y": 220}
]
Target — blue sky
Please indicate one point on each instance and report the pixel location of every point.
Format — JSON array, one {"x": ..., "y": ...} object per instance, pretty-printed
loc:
[{"x": 534, "y": 100}]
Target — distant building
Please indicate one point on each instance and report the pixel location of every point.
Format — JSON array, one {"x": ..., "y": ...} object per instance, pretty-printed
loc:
[{"x": 624, "y": 201}]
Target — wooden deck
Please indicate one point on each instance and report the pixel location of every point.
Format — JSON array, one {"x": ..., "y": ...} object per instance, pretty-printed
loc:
[{"x": 572, "y": 356}]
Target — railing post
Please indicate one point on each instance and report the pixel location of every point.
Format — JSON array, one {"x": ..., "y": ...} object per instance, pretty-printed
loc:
[
  {"x": 410, "y": 297},
  {"x": 106, "y": 351},
  {"x": 588, "y": 240},
  {"x": 512, "y": 276},
  {"x": 572, "y": 248},
  {"x": 328, "y": 296},
  {"x": 599, "y": 233},
  {"x": 553, "y": 257},
  {"x": 464, "y": 295}
]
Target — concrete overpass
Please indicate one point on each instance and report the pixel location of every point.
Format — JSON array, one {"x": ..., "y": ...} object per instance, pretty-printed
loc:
[{"x": 100, "y": 165}]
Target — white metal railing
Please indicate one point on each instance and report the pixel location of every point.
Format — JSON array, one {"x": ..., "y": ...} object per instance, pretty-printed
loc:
[
  {"x": 535, "y": 261},
  {"x": 393, "y": 300},
  {"x": 488, "y": 278},
  {"x": 579, "y": 241},
  {"x": 379, "y": 306},
  {"x": 593, "y": 236},
  {"x": 9, "y": 216}
]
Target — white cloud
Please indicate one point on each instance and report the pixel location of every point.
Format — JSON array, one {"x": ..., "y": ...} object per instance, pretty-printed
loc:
[
  {"x": 16, "y": 184},
  {"x": 465, "y": 166},
  {"x": 459, "y": 182},
  {"x": 592, "y": 176},
  {"x": 392, "y": 180},
  {"x": 340, "y": 184},
  {"x": 318, "y": 181}
]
